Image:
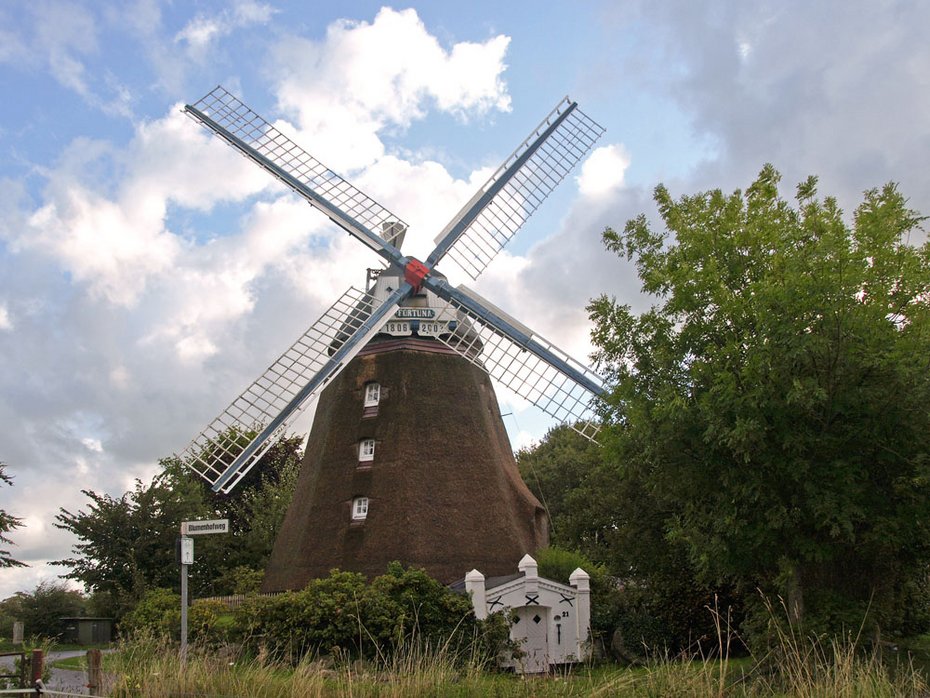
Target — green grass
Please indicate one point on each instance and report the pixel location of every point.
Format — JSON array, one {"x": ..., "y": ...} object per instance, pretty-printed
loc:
[
  {"x": 78, "y": 663},
  {"x": 804, "y": 668}
]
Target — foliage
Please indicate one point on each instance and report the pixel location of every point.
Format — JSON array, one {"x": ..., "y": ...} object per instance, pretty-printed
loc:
[
  {"x": 158, "y": 613},
  {"x": 645, "y": 595},
  {"x": 127, "y": 544},
  {"x": 554, "y": 469},
  {"x": 208, "y": 622},
  {"x": 408, "y": 602},
  {"x": 342, "y": 615},
  {"x": 41, "y": 610},
  {"x": 771, "y": 407},
  {"x": 8, "y": 523},
  {"x": 241, "y": 580},
  {"x": 558, "y": 564}
]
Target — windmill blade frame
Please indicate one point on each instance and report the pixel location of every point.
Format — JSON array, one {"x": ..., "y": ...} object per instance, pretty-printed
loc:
[
  {"x": 519, "y": 359},
  {"x": 511, "y": 353},
  {"x": 220, "y": 453},
  {"x": 260, "y": 141},
  {"x": 517, "y": 188}
]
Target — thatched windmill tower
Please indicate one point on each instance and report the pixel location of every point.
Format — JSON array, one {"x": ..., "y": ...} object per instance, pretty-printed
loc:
[{"x": 408, "y": 458}]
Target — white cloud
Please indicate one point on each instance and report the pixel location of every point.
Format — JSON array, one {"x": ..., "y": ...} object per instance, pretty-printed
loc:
[
  {"x": 92, "y": 444},
  {"x": 602, "y": 173},
  {"x": 366, "y": 77},
  {"x": 64, "y": 34},
  {"x": 112, "y": 248},
  {"x": 194, "y": 348},
  {"x": 165, "y": 319},
  {"x": 6, "y": 322},
  {"x": 117, "y": 241},
  {"x": 202, "y": 32},
  {"x": 119, "y": 377}
]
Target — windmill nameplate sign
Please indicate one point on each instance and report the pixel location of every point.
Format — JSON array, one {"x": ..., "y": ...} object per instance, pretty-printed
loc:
[
  {"x": 418, "y": 313},
  {"x": 200, "y": 528}
]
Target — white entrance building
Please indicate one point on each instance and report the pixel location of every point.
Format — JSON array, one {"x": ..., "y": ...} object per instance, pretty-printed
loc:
[{"x": 553, "y": 621}]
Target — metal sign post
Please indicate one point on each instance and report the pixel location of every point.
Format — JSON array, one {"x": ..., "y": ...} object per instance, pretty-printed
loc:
[
  {"x": 186, "y": 558},
  {"x": 186, "y": 549}
]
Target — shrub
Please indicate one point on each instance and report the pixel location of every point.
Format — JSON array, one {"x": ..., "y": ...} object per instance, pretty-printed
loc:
[
  {"x": 158, "y": 613},
  {"x": 342, "y": 616}
]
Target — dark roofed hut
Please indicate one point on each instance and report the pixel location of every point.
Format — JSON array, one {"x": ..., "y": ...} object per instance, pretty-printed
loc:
[{"x": 408, "y": 460}]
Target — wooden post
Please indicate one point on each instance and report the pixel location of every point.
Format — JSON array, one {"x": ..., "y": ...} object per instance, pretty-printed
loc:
[
  {"x": 38, "y": 665},
  {"x": 94, "y": 672}
]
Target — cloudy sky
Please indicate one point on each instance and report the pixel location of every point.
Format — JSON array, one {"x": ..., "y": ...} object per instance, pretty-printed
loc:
[{"x": 147, "y": 273}]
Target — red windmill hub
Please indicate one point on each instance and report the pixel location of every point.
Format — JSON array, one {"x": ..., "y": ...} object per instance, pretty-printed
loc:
[{"x": 415, "y": 272}]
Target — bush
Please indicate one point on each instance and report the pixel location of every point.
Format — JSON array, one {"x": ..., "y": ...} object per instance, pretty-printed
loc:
[
  {"x": 158, "y": 614},
  {"x": 342, "y": 616},
  {"x": 322, "y": 617}
]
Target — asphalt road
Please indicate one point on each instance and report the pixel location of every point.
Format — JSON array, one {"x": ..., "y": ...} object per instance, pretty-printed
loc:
[{"x": 64, "y": 680}]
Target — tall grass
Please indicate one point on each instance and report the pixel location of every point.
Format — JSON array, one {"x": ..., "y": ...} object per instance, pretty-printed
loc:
[{"x": 799, "y": 666}]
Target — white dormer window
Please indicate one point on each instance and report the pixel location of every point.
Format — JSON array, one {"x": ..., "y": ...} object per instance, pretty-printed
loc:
[
  {"x": 366, "y": 450},
  {"x": 359, "y": 508},
  {"x": 372, "y": 394}
]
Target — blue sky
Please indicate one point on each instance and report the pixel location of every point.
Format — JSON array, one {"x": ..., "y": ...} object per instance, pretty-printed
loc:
[{"x": 147, "y": 273}]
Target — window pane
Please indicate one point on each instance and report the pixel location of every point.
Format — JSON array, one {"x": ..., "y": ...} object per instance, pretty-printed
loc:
[
  {"x": 366, "y": 450},
  {"x": 372, "y": 394}
]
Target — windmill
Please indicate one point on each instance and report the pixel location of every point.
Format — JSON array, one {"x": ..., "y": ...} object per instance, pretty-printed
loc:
[{"x": 408, "y": 458}]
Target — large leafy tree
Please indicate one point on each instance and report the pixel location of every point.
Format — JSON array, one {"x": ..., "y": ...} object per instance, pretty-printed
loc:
[
  {"x": 773, "y": 403},
  {"x": 126, "y": 544},
  {"x": 8, "y": 523},
  {"x": 620, "y": 526}
]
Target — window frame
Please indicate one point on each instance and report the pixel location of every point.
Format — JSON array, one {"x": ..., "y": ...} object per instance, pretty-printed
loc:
[
  {"x": 366, "y": 450},
  {"x": 372, "y": 388},
  {"x": 360, "y": 507}
]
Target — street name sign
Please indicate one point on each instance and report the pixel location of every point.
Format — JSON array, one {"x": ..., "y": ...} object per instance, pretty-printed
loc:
[{"x": 200, "y": 528}]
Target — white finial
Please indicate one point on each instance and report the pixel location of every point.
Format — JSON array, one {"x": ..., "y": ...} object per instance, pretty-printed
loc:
[
  {"x": 580, "y": 579},
  {"x": 528, "y": 566},
  {"x": 474, "y": 576}
]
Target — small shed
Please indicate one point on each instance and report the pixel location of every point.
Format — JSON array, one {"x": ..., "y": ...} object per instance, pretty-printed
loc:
[
  {"x": 553, "y": 620},
  {"x": 84, "y": 630}
]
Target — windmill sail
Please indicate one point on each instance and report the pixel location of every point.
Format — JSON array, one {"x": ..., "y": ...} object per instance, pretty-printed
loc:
[
  {"x": 521, "y": 360},
  {"x": 233, "y": 442},
  {"x": 514, "y": 192},
  {"x": 263, "y": 143}
]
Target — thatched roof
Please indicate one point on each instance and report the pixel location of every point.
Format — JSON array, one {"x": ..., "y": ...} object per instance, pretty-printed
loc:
[{"x": 444, "y": 491}]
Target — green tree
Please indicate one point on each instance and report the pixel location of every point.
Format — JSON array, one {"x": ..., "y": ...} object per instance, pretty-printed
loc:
[
  {"x": 617, "y": 526},
  {"x": 127, "y": 544},
  {"x": 772, "y": 405},
  {"x": 41, "y": 610},
  {"x": 8, "y": 523},
  {"x": 554, "y": 469}
]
